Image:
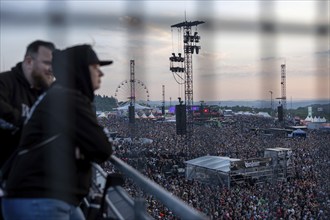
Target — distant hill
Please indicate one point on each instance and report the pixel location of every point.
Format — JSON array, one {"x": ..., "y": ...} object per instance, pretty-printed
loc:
[
  {"x": 106, "y": 103},
  {"x": 320, "y": 108},
  {"x": 296, "y": 108},
  {"x": 252, "y": 103}
]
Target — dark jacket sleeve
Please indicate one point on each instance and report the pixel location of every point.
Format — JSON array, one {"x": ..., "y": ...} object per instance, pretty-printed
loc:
[
  {"x": 90, "y": 137},
  {"x": 7, "y": 112}
]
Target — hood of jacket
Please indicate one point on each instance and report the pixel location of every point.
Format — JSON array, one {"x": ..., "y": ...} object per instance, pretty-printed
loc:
[
  {"x": 18, "y": 70},
  {"x": 71, "y": 69}
]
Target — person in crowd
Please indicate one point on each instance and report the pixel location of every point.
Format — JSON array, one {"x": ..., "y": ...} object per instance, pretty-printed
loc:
[
  {"x": 19, "y": 89},
  {"x": 51, "y": 173}
]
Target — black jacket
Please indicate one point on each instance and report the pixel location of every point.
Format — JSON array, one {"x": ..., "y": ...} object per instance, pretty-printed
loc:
[
  {"x": 65, "y": 115},
  {"x": 16, "y": 98}
]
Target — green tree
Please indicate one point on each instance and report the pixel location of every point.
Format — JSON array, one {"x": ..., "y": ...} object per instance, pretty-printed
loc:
[{"x": 104, "y": 103}]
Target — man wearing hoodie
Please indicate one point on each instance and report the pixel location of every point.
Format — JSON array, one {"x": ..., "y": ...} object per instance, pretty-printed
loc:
[
  {"x": 19, "y": 89},
  {"x": 52, "y": 170}
]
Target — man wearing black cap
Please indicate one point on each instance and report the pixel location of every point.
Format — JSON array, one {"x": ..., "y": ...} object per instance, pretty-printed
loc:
[{"x": 52, "y": 171}]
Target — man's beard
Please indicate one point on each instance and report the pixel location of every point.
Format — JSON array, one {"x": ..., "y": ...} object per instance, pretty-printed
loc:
[{"x": 40, "y": 82}]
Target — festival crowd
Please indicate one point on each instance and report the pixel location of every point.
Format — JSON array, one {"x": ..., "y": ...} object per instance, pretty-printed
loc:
[{"x": 305, "y": 195}]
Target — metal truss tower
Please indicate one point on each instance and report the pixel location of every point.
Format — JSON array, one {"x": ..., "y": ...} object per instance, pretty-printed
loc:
[
  {"x": 283, "y": 88},
  {"x": 131, "y": 107},
  {"x": 190, "y": 46},
  {"x": 163, "y": 103},
  {"x": 132, "y": 83}
]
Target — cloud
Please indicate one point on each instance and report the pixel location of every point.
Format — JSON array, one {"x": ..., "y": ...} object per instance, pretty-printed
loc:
[
  {"x": 271, "y": 58},
  {"x": 214, "y": 56},
  {"x": 323, "y": 53},
  {"x": 131, "y": 21},
  {"x": 223, "y": 69}
]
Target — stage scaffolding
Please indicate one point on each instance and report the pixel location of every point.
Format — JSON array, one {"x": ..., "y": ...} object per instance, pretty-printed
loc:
[{"x": 273, "y": 167}]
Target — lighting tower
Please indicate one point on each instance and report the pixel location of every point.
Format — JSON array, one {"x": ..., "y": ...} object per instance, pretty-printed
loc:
[
  {"x": 132, "y": 83},
  {"x": 163, "y": 106},
  {"x": 271, "y": 102},
  {"x": 131, "y": 110},
  {"x": 185, "y": 65},
  {"x": 283, "y": 88}
]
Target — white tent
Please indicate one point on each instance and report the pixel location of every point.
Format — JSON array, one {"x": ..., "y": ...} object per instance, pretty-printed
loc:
[
  {"x": 170, "y": 119},
  {"x": 212, "y": 162},
  {"x": 136, "y": 106},
  {"x": 299, "y": 133},
  {"x": 247, "y": 113},
  {"x": 264, "y": 114},
  {"x": 101, "y": 115},
  {"x": 145, "y": 141},
  {"x": 151, "y": 116},
  {"x": 136, "y": 115},
  {"x": 211, "y": 169},
  {"x": 144, "y": 115},
  {"x": 308, "y": 118}
]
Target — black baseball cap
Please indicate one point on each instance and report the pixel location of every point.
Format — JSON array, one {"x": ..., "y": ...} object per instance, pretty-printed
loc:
[{"x": 93, "y": 59}]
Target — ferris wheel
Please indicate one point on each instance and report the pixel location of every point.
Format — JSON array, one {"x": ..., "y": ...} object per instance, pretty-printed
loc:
[{"x": 123, "y": 93}]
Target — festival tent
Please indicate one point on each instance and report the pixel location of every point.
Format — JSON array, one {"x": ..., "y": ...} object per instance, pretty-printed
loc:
[
  {"x": 170, "y": 119},
  {"x": 298, "y": 133},
  {"x": 227, "y": 171},
  {"x": 136, "y": 115},
  {"x": 212, "y": 162},
  {"x": 308, "y": 118},
  {"x": 144, "y": 115},
  {"x": 319, "y": 119},
  {"x": 145, "y": 141},
  {"x": 210, "y": 169},
  {"x": 101, "y": 115},
  {"x": 247, "y": 113},
  {"x": 243, "y": 113},
  {"x": 136, "y": 107},
  {"x": 264, "y": 114},
  {"x": 323, "y": 119},
  {"x": 151, "y": 116}
]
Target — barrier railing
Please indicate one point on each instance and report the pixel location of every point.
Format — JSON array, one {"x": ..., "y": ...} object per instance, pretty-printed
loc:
[{"x": 176, "y": 205}]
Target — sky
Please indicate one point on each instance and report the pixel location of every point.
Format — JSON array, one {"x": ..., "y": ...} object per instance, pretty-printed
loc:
[{"x": 237, "y": 61}]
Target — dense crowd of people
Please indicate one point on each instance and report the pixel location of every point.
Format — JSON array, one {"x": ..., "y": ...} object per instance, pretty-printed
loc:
[{"x": 303, "y": 196}]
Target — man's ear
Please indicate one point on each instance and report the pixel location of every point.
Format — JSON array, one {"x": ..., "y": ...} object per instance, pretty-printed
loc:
[
  {"x": 28, "y": 63},
  {"x": 28, "y": 59}
]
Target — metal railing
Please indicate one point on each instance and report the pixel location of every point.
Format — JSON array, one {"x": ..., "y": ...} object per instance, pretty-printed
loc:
[{"x": 176, "y": 205}]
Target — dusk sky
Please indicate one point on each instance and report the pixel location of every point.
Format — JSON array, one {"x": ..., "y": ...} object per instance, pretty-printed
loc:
[{"x": 236, "y": 62}]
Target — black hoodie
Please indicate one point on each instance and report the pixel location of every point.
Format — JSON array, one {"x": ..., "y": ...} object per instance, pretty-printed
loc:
[
  {"x": 64, "y": 115},
  {"x": 16, "y": 98}
]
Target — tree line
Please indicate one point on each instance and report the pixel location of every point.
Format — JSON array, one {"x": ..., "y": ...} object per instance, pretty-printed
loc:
[{"x": 104, "y": 103}]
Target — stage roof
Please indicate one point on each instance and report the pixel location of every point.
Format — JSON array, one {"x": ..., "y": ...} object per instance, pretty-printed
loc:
[
  {"x": 213, "y": 162},
  {"x": 278, "y": 149}
]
